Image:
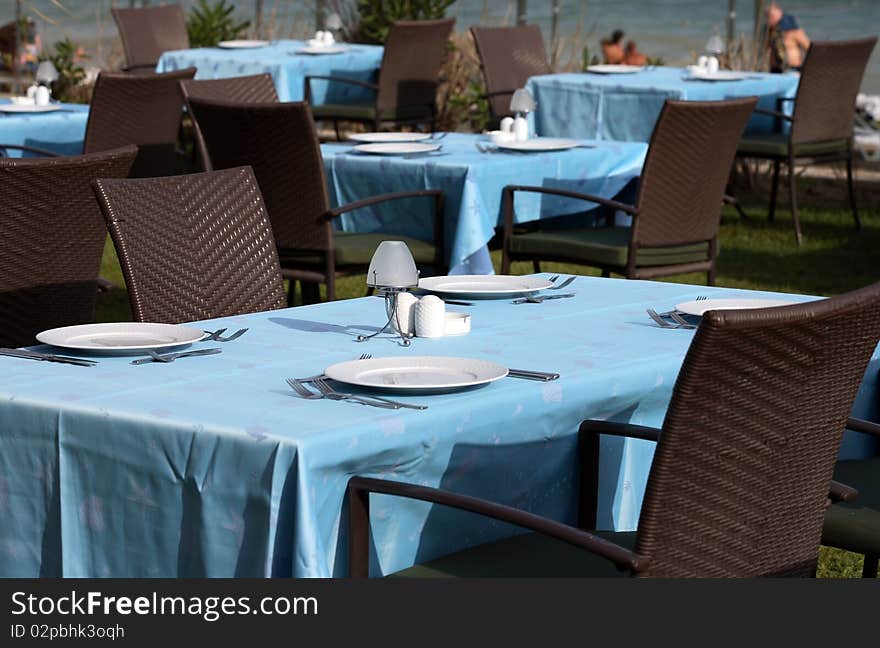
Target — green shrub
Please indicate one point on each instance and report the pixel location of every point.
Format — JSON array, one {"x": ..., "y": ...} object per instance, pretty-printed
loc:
[
  {"x": 65, "y": 58},
  {"x": 376, "y": 16},
  {"x": 209, "y": 23}
]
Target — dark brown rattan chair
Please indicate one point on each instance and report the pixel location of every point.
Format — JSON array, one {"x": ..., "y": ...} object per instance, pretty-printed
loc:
[
  {"x": 144, "y": 110},
  {"x": 509, "y": 56},
  {"x": 53, "y": 240},
  {"x": 742, "y": 470},
  {"x": 822, "y": 120},
  {"x": 148, "y": 32},
  {"x": 855, "y": 526},
  {"x": 280, "y": 142},
  {"x": 258, "y": 88},
  {"x": 406, "y": 92},
  {"x": 677, "y": 215},
  {"x": 193, "y": 247}
]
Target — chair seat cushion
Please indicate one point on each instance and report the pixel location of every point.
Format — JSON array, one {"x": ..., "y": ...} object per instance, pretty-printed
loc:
[
  {"x": 856, "y": 526},
  {"x": 605, "y": 246},
  {"x": 353, "y": 249},
  {"x": 776, "y": 144},
  {"x": 531, "y": 555}
]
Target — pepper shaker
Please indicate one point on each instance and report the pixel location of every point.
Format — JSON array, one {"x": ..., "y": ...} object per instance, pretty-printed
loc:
[
  {"x": 404, "y": 317},
  {"x": 430, "y": 319}
]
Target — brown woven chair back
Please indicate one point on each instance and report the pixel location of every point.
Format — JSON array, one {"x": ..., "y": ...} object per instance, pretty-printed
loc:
[
  {"x": 53, "y": 240},
  {"x": 194, "y": 246},
  {"x": 258, "y": 88},
  {"x": 280, "y": 142},
  {"x": 414, "y": 53},
  {"x": 826, "y": 96},
  {"x": 686, "y": 170},
  {"x": 509, "y": 56},
  {"x": 740, "y": 478},
  {"x": 138, "y": 109},
  {"x": 148, "y": 32}
]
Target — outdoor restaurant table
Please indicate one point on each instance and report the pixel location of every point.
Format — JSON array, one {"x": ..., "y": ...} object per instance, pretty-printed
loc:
[
  {"x": 62, "y": 131},
  {"x": 212, "y": 466},
  {"x": 287, "y": 67},
  {"x": 626, "y": 106},
  {"x": 473, "y": 182}
]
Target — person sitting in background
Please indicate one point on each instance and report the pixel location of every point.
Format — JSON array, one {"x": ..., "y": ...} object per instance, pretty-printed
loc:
[
  {"x": 28, "y": 55},
  {"x": 788, "y": 43},
  {"x": 632, "y": 56},
  {"x": 612, "y": 48}
]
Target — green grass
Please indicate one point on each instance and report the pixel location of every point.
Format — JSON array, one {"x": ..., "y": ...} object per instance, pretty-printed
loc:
[{"x": 755, "y": 254}]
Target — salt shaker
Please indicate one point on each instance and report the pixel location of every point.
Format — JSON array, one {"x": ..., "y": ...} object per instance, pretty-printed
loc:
[
  {"x": 507, "y": 125},
  {"x": 430, "y": 319},
  {"x": 703, "y": 62},
  {"x": 404, "y": 321},
  {"x": 41, "y": 96},
  {"x": 520, "y": 129},
  {"x": 712, "y": 65},
  {"x": 32, "y": 93}
]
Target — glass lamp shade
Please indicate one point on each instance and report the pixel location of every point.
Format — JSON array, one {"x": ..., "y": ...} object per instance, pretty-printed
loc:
[
  {"x": 333, "y": 22},
  {"x": 392, "y": 266},
  {"x": 46, "y": 72},
  {"x": 522, "y": 101},
  {"x": 715, "y": 45}
]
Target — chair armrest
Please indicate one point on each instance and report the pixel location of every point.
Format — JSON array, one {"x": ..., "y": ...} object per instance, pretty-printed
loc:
[
  {"x": 860, "y": 425},
  {"x": 610, "y": 428},
  {"x": 307, "y": 91},
  {"x": 774, "y": 113},
  {"x": 510, "y": 190},
  {"x": 29, "y": 149},
  {"x": 838, "y": 492},
  {"x": 139, "y": 66},
  {"x": 105, "y": 285},
  {"x": 359, "y": 489}
]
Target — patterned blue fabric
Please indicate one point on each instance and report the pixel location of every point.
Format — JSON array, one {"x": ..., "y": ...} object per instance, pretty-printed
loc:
[
  {"x": 288, "y": 69},
  {"x": 473, "y": 182},
  {"x": 63, "y": 131},
  {"x": 625, "y": 106},
  {"x": 211, "y": 466}
]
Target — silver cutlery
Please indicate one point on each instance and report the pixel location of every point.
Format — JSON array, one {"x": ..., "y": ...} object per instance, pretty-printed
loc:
[
  {"x": 531, "y": 299},
  {"x": 532, "y": 375},
  {"x": 564, "y": 284},
  {"x": 439, "y": 136},
  {"x": 213, "y": 335},
  {"x": 234, "y": 336},
  {"x": 553, "y": 278},
  {"x": 171, "y": 357},
  {"x": 377, "y": 401},
  {"x": 680, "y": 323},
  {"x": 46, "y": 357},
  {"x": 326, "y": 392}
]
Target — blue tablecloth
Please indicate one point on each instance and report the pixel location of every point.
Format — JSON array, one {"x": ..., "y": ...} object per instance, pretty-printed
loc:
[
  {"x": 288, "y": 69},
  {"x": 626, "y": 106},
  {"x": 473, "y": 182},
  {"x": 62, "y": 131},
  {"x": 212, "y": 466}
]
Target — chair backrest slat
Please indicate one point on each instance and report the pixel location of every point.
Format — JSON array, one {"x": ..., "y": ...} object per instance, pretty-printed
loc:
[
  {"x": 740, "y": 477},
  {"x": 53, "y": 240},
  {"x": 149, "y": 31},
  {"x": 194, "y": 246}
]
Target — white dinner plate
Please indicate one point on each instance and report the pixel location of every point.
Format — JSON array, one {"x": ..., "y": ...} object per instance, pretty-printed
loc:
[
  {"x": 482, "y": 286},
  {"x": 28, "y": 108},
  {"x": 539, "y": 144},
  {"x": 242, "y": 44},
  {"x": 322, "y": 49},
  {"x": 396, "y": 148},
  {"x": 720, "y": 75},
  {"x": 120, "y": 338},
  {"x": 417, "y": 373},
  {"x": 615, "y": 69},
  {"x": 379, "y": 138},
  {"x": 701, "y": 306}
]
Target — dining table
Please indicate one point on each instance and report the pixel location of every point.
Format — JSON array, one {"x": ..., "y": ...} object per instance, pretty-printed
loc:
[
  {"x": 472, "y": 173},
  {"x": 289, "y": 65},
  {"x": 213, "y": 466},
  {"x": 625, "y": 107},
  {"x": 61, "y": 131}
]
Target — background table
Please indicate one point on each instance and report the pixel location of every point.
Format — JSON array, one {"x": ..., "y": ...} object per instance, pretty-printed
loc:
[
  {"x": 287, "y": 68},
  {"x": 473, "y": 182},
  {"x": 62, "y": 131},
  {"x": 212, "y": 466},
  {"x": 626, "y": 106}
]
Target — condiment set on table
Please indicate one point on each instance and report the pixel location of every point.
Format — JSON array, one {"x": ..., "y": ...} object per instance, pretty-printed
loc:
[
  {"x": 38, "y": 97},
  {"x": 514, "y": 132}
]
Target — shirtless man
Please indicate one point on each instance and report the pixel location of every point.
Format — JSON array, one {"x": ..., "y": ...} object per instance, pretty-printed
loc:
[{"x": 788, "y": 42}]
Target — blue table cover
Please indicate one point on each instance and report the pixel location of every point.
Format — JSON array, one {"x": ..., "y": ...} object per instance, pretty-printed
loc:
[
  {"x": 211, "y": 466},
  {"x": 626, "y": 106},
  {"x": 287, "y": 67},
  {"x": 62, "y": 131},
  {"x": 473, "y": 182}
]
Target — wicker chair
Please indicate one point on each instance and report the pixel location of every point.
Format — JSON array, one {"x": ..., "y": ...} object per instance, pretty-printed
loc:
[
  {"x": 742, "y": 469},
  {"x": 406, "y": 92},
  {"x": 677, "y": 215},
  {"x": 856, "y": 526},
  {"x": 193, "y": 247},
  {"x": 509, "y": 56},
  {"x": 821, "y": 122},
  {"x": 142, "y": 109},
  {"x": 279, "y": 141},
  {"x": 53, "y": 240},
  {"x": 259, "y": 88},
  {"x": 148, "y": 32}
]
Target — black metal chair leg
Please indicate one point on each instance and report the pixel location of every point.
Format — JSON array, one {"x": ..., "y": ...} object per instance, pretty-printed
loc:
[
  {"x": 792, "y": 189},
  {"x": 536, "y": 265},
  {"x": 774, "y": 188},
  {"x": 869, "y": 567},
  {"x": 852, "y": 192}
]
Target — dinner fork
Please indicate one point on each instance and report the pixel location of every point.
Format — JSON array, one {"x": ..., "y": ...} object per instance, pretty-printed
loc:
[
  {"x": 662, "y": 323},
  {"x": 321, "y": 384},
  {"x": 531, "y": 299},
  {"x": 302, "y": 390},
  {"x": 328, "y": 392},
  {"x": 171, "y": 357},
  {"x": 682, "y": 322},
  {"x": 234, "y": 336},
  {"x": 565, "y": 283}
]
